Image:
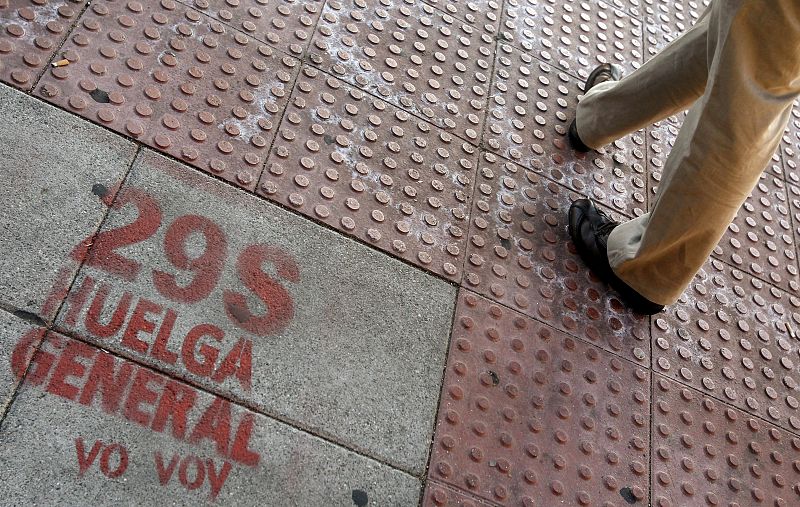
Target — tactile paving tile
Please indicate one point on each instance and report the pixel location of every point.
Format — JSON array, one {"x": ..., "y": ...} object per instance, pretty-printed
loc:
[
  {"x": 576, "y": 35},
  {"x": 660, "y": 140},
  {"x": 374, "y": 171},
  {"x": 656, "y": 39},
  {"x": 519, "y": 254},
  {"x": 530, "y": 416},
  {"x": 440, "y": 495},
  {"x": 794, "y": 209},
  {"x": 529, "y": 113},
  {"x": 30, "y": 33},
  {"x": 666, "y": 20},
  {"x": 483, "y": 13},
  {"x": 286, "y": 24},
  {"x": 759, "y": 240},
  {"x": 176, "y": 80},
  {"x": 678, "y": 15},
  {"x": 674, "y": 16},
  {"x": 730, "y": 335},
  {"x": 633, "y": 8},
  {"x": 411, "y": 55},
  {"x": 705, "y": 453},
  {"x": 790, "y": 147}
]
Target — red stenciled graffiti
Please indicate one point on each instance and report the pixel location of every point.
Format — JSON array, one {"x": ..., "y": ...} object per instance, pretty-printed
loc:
[
  {"x": 207, "y": 267},
  {"x": 272, "y": 293},
  {"x": 86, "y": 375},
  {"x": 193, "y": 471},
  {"x": 87, "y": 458},
  {"x": 100, "y": 252},
  {"x": 149, "y": 330}
]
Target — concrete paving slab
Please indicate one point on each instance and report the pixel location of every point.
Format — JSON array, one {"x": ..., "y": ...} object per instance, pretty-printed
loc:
[
  {"x": 13, "y": 329},
  {"x": 151, "y": 440},
  {"x": 333, "y": 350},
  {"x": 54, "y": 165},
  {"x": 211, "y": 284}
]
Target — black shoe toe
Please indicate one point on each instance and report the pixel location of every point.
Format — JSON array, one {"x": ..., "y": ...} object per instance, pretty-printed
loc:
[
  {"x": 575, "y": 140},
  {"x": 589, "y": 229},
  {"x": 577, "y": 211}
]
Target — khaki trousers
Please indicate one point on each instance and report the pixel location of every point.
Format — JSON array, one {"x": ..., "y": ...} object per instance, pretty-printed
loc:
[{"x": 739, "y": 70}]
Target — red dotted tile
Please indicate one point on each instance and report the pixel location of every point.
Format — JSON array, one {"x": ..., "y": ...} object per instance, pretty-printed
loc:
[
  {"x": 729, "y": 336},
  {"x": 371, "y": 170},
  {"x": 634, "y": 8},
  {"x": 440, "y": 495},
  {"x": 790, "y": 147},
  {"x": 285, "y": 24},
  {"x": 531, "y": 108},
  {"x": 411, "y": 55},
  {"x": 705, "y": 453},
  {"x": 672, "y": 16},
  {"x": 530, "y": 416},
  {"x": 30, "y": 33},
  {"x": 484, "y": 14},
  {"x": 575, "y": 35},
  {"x": 656, "y": 39},
  {"x": 175, "y": 80},
  {"x": 660, "y": 140},
  {"x": 794, "y": 209},
  {"x": 675, "y": 16},
  {"x": 759, "y": 240},
  {"x": 667, "y": 20},
  {"x": 519, "y": 254}
]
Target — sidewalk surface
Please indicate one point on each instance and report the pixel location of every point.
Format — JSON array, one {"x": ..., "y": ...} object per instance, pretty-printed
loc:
[{"x": 314, "y": 253}]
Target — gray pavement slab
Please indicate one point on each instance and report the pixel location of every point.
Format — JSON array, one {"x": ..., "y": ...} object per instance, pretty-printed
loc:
[
  {"x": 51, "y": 163},
  {"x": 12, "y": 330},
  {"x": 205, "y": 282},
  {"x": 65, "y": 443}
]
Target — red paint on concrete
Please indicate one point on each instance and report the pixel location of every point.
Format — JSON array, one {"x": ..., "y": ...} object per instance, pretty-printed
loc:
[{"x": 81, "y": 373}]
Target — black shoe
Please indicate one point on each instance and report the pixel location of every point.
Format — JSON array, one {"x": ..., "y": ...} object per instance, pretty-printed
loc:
[
  {"x": 602, "y": 73},
  {"x": 589, "y": 228}
]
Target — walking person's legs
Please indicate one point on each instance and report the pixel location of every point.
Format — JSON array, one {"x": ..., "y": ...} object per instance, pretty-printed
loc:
[
  {"x": 666, "y": 84},
  {"x": 728, "y": 138}
]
